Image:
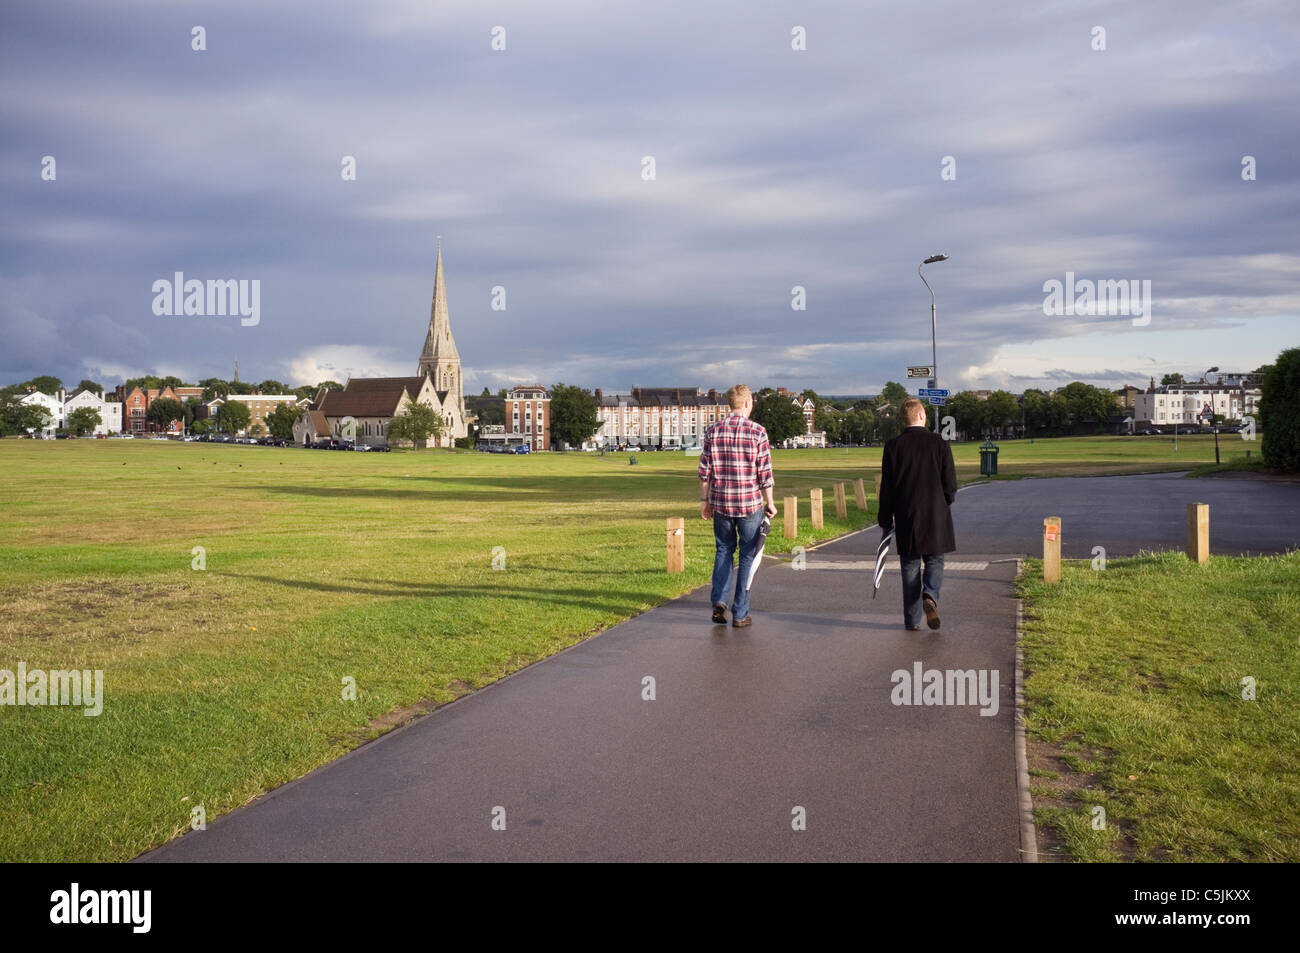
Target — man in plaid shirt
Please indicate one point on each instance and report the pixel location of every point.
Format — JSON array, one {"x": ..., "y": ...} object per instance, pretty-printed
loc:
[{"x": 735, "y": 492}]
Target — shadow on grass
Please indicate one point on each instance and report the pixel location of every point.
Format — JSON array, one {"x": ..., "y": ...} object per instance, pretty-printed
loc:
[
  {"x": 615, "y": 600},
  {"x": 549, "y": 489}
]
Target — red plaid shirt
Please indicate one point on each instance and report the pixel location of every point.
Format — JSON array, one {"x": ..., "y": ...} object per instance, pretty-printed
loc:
[{"x": 737, "y": 458}]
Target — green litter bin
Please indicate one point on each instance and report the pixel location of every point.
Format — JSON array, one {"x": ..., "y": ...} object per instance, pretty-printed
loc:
[{"x": 988, "y": 458}]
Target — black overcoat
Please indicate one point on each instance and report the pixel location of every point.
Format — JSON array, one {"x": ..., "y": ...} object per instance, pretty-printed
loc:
[{"x": 918, "y": 483}]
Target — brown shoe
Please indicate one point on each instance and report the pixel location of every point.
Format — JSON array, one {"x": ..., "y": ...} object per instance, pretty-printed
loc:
[
  {"x": 742, "y": 623},
  {"x": 719, "y": 615},
  {"x": 931, "y": 612}
]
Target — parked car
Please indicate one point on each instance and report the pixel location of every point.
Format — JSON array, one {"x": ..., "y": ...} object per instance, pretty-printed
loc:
[{"x": 521, "y": 448}]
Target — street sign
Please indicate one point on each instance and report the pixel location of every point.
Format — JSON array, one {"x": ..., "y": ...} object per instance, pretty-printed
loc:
[
  {"x": 931, "y": 392},
  {"x": 937, "y": 401},
  {"x": 920, "y": 371}
]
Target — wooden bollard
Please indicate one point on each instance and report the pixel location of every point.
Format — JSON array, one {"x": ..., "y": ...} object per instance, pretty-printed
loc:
[
  {"x": 877, "y": 487},
  {"x": 791, "y": 517},
  {"x": 1052, "y": 549},
  {"x": 841, "y": 508},
  {"x": 860, "y": 494},
  {"x": 1198, "y": 532},
  {"x": 676, "y": 544},
  {"x": 816, "y": 496}
]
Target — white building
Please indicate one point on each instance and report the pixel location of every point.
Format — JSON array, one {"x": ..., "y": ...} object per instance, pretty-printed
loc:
[
  {"x": 53, "y": 404},
  {"x": 657, "y": 416},
  {"x": 110, "y": 411},
  {"x": 1187, "y": 404}
]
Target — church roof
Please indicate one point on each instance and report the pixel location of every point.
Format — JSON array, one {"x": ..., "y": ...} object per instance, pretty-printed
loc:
[
  {"x": 370, "y": 384},
  {"x": 377, "y": 401}
]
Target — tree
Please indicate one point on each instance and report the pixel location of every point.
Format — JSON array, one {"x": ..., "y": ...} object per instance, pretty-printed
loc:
[
  {"x": 272, "y": 387},
  {"x": 282, "y": 419},
  {"x": 831, "y": 421},
  {"x": 966, "y": 412},
  {"x": 1175, "y": 380},
  {"x": 1000, "y": 409},
  {"x": 416, "y": 425},
  {"x": 46, "y": 384},
  {"x": 573, "y": 415},
  {"x": 171, "y": 381},
  {"x": 256, "y": 430},
  {"x": 1279, "y": 412},
  {"x": 214, "y": 387},
  {"x": 147, "y": 382},
  {"x": 779, "y": 415},
  {"x": 1084, "y": 402},
  {"x": 84, "y": 420},
  {"x": 164, "y": 412},
  {"x": 233, "y": 416},
  {"x": 91, "y": 385},
  {"x": 201, "y": 426},
  {"x": 17, "y": 417}
]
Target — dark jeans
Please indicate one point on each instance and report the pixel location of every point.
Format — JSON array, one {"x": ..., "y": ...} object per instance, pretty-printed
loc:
[
  {"x": 728, "y": 531},
  {"x": 915, "y": 587}
]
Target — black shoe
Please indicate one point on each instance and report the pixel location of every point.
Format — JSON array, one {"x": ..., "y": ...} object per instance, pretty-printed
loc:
[
  {"x": 742, "y": 623},
  {"x": 931, "y": 612},
  {"x": 719, "y": 615}
]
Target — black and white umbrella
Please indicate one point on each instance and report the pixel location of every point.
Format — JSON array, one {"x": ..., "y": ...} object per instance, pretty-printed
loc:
[
  {"x": 881, "y": 553},
  {"x": 764, "y": 528}
]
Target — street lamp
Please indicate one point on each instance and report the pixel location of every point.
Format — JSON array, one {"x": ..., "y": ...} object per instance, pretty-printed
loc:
[
  {"x": 934, "y": 350},
  {"x": 1213, "y": 425}
]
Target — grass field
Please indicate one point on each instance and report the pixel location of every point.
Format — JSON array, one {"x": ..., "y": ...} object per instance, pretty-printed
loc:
[
  {"x": 224, "y": 682},
  {"x": 1134, "y": 691}
]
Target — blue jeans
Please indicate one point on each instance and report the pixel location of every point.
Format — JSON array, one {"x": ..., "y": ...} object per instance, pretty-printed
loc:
[
  {"x": 727, "y": 532},
  {"x": 915, "y": 587}
]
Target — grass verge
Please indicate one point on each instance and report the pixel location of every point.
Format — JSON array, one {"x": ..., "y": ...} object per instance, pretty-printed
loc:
[{"x": 1134, "y": 687}]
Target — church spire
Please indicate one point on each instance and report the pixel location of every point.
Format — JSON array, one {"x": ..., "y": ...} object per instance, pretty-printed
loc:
[{"x": 439, "y": 345}]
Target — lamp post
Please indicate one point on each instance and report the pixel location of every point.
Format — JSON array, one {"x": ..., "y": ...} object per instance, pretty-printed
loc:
[
  {"x": 1213, "y": 425},
  {"x": 934, "y": 349}
]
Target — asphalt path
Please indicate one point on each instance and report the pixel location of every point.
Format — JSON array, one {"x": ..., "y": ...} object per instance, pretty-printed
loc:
[{"x": 1128, "y": 514}]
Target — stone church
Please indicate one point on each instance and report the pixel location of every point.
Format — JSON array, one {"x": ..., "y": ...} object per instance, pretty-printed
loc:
[
  {"x": 362, "y": 411},
  {"x": 440, "y": 360}
]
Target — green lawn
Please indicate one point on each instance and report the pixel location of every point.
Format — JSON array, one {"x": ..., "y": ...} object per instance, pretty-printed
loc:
[
  {"x": 223, "y": 683},
  {"x": 1134, "y": 697}
]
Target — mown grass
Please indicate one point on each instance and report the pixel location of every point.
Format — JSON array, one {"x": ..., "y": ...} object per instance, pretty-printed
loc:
[
  {"x": 225, "y": 682},
  {"x": 1134, "y": 684}
]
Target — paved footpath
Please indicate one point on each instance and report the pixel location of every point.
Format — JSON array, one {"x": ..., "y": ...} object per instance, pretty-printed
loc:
[{"x": 747, "y": 725}]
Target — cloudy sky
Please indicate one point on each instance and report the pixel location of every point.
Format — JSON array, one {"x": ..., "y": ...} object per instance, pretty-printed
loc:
[{"x": 773, "y": 168}]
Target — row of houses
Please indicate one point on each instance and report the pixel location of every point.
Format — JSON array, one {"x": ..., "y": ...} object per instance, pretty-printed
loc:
[
  {"x": 677, "y": 417},
  {"x": 60, "y": 404}
]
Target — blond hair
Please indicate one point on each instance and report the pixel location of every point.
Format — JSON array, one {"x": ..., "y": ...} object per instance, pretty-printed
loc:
[
  {"x": 913, "y": 408},
  {"x": 737, "y": 396}
]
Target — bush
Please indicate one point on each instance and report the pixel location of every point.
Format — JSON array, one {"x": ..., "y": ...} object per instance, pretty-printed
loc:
[
  {"x": 464, "y": 443},
  {"x": 1279, "y": 412}
]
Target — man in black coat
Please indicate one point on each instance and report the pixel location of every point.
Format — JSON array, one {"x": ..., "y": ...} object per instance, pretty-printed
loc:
[{"x": 918, "y": 482}]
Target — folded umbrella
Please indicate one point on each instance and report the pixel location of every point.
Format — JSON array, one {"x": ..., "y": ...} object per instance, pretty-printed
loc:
[
  {"x": 764, "y": 528},
  {"x": 881, "y": 553}
]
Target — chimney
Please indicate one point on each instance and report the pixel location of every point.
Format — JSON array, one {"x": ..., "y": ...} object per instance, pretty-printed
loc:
[
  {"x": 599, "y": 396},
  {"x": 713, "y": 395}
]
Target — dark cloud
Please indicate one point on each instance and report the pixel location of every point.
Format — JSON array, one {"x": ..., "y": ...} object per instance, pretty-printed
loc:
[{"x": 775, "y": 168}]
